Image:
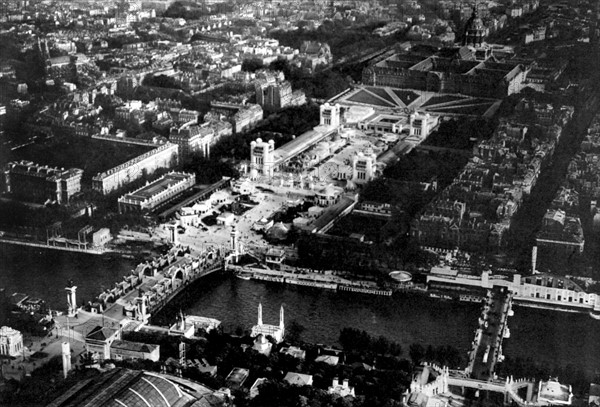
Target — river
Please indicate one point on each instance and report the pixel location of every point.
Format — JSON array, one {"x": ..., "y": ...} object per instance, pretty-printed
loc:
[
  {"x": 44, "y": 273},
  {"x": 556, "y": 338}
]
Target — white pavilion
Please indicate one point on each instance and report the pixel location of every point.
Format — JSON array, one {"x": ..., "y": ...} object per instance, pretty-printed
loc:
[{"x": 276, "y": 331}]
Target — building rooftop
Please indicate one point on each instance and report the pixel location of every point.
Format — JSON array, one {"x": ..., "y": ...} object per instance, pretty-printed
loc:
[
  {"x": 294, "y": 351},
  {"x": 329, "y": 359},
  {"x": 298, "y": 379},
  {"x": 237, "y": 377},
  {"x": 124, "y": 387},
  {"x": 162, "y": 184},
  {"x": 134, "y": 346},
  {"x": 42, "y": 171},
  {"x": 300, "y": 143},
  {"x": 8, "y": 331},
  {"x": 135, "y": 160},
  {"x": 555, "y": 393},
  {"x": 100, "y": 333}
]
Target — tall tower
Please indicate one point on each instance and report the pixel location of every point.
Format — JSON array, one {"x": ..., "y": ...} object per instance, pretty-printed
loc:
[
  {"x": 364, "y": 167},
  {"x": 235, "y": 244},
  {"x": 329, "y": 115},
  {"x": 261, "y": 156},
  {"x": 259, "y": 322},
  {"x": 71, "y": 290},
  {"x": 173, "y": 236},
  {"x": 66, "y": 358}
]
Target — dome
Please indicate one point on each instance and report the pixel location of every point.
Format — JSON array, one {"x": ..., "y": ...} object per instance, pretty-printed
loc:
[
  {"x": 476, "y": 23},
  {"x": 474, "y": 30},
  {"x": 278, "y": 232},
  {"x": 401, "y": 276},
  {"x": 150, "y": 389},
  {"x": 315, "y": 211}
]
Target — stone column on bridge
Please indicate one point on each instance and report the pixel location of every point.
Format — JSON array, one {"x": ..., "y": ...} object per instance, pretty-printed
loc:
[
  {"x": 142, "y": 308},
  {"x": 445, "y": 375},
  {"x": 529, "y": 392}
]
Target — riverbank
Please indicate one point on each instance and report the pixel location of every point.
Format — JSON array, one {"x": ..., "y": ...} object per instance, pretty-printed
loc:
[
  {"x": 326, "y": 279},
  {"x": 19, "y": 242},
  {"x": 408, "y": 316}
]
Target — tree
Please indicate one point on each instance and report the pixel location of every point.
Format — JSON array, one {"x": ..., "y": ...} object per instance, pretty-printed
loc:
[
  {"x": 161, "y": 81},
  {"x": 294, "y": 331},
  {"x": 87, "y": 359},
  {"x": 416, "y": 353},
  {"x": 252, "y": 65}
]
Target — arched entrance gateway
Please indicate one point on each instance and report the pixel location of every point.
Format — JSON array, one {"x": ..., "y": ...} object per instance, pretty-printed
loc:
[
  {"x": 178, "y": 278},
  {"x": 210, "y": 256}
]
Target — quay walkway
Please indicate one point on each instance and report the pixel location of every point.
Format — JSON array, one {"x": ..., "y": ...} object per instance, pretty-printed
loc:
[
  {"x": 297, "y": 276},
  {"x": 53, "y": 247}
]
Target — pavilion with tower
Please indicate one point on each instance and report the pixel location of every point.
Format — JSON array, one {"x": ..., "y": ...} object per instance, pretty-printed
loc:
[{"x": 275, "y": 331}]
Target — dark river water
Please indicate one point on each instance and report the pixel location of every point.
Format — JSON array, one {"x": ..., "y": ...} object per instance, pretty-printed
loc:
[
  {"x": 45, "y": 273},
  {"x": 557, "y": 338}
]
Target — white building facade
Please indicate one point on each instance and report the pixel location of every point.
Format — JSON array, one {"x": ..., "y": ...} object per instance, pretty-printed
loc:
[
  {"x": 261, "y": 157},
  {"x": 11, "y": 342},
  {"x": 164, "y": 156}
]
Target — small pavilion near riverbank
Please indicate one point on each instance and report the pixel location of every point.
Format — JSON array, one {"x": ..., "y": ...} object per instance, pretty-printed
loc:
[{"x": 275, "y": 331}]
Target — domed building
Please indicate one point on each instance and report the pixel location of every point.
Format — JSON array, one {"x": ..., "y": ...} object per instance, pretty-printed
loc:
[
  {"x": 475, "y": 30},
  {"x": 262, "y": 345},
  {"x": 133, "y": 388},
  {"x": 278, "y": 232}
]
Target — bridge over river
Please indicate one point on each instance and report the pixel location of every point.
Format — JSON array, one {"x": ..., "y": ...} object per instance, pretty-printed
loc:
[
  {"x": 493, "y": 328},
  {"x": 150, "y": 287},
  {"x": 486, "y": 351}
]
